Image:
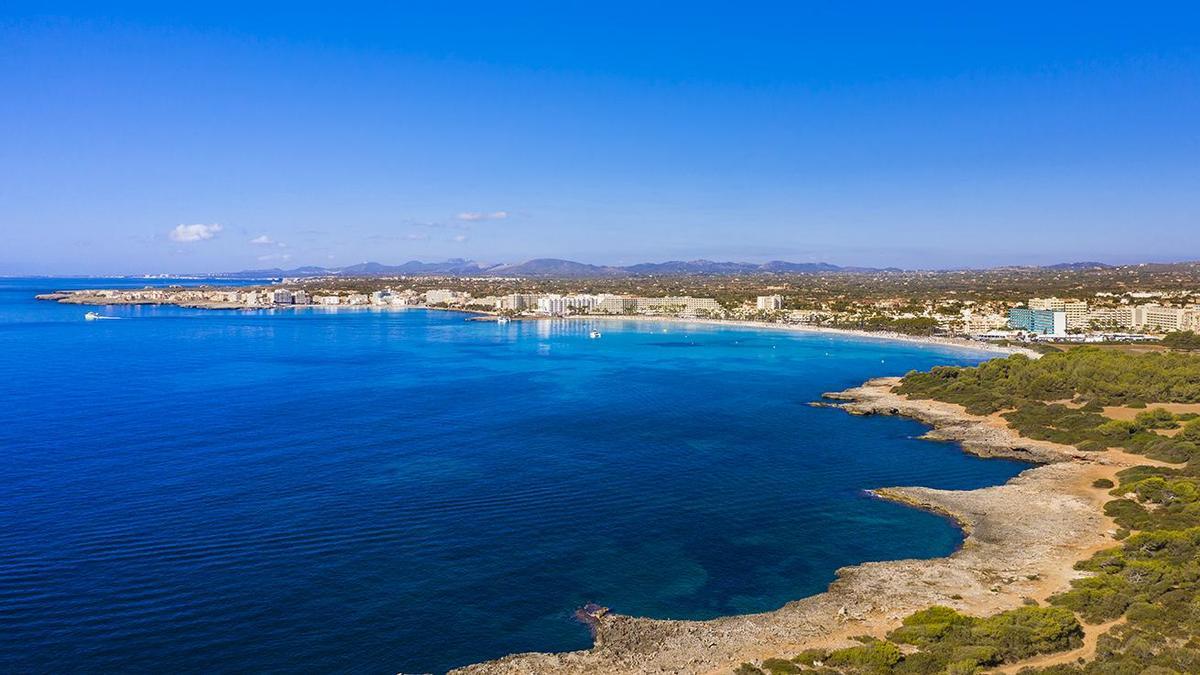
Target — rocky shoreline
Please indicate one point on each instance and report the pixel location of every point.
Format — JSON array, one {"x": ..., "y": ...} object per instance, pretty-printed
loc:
[{"x": 1022, "y": 540}]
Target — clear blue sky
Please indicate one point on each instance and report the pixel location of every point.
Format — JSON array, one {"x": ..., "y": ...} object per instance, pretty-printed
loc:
[{"x": 868, "y": 133}]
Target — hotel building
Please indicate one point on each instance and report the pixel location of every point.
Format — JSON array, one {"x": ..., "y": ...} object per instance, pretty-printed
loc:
[{"x": 1040, "y": 321}]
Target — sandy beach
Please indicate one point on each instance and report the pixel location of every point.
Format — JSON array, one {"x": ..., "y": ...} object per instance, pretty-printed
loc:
[
  {"x": 1022, "y": 541},
  {"x": 958, "y": 342},
  {"x": 84, "y": 298}
]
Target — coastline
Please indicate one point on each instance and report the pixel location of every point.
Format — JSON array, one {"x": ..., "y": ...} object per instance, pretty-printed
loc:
[
  {"x": 1021, "y": 542},
  {"x": 955, "y": 342},
  {"x": 78, "y": 298}
]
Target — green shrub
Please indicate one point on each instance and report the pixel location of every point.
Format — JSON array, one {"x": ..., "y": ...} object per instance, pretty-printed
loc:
[
  {"x": 780, "y": 667},
  {"x": 874, "y": 657}
]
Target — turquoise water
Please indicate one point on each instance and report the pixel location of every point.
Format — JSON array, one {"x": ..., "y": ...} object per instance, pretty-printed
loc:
[{"x": 409, "y": 491}]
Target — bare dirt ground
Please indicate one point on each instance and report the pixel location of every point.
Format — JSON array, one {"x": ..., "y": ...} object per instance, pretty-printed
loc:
[{"x": 1022, "y": 540}]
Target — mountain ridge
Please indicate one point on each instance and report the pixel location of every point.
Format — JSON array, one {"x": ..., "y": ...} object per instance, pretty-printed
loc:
[{"x": 556, "y": 267}]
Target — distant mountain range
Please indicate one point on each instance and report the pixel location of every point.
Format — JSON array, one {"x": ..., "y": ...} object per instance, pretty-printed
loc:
[
  {"x": 559, "y": 268},
  {"x": 553, "y": 268}
]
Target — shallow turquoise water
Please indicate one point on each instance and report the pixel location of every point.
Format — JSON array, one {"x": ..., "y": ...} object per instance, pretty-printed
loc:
[{"x": 409, "y": 491}]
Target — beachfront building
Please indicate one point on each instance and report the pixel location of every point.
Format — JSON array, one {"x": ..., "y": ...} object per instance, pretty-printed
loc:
[
  {"x": 1076, "y": 310},
  {"x": 1040, "y": 321},
  {"x": 518, "y": 302},
  {"x": 300, "y": 298},
  {"x": 769, "y": 302},
  {"x": 441, "y": 296},
  {"x": 582, "y": 302},
  {"x": 810, "y": 317},
  {"x": 677, "y": 304},
  {"x": 554, "y": 305},
  {"x": 607, "y": 303},
  {"x": 977, "y": 321},
  {"x": 280, "y": 296}
]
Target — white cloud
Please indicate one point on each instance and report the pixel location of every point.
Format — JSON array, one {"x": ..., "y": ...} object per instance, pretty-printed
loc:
[
  {"x": 473, "y": 216},
  {"x": 262, "y": 239},
  {"x": 268, "y": 258},
  {"x": 460, "y": 238},
  {"x": 190, "y": 233},
  {"x": 416, "y": 236}
]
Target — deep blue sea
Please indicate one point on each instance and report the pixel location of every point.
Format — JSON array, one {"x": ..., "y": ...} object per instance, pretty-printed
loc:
[{"x": 382, "y": 491}]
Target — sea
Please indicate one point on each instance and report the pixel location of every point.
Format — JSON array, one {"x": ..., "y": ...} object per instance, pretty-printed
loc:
[{"x": 357, "y": 490}]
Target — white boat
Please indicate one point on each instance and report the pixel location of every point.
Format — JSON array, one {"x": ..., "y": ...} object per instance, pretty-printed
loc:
[
  {"x": 594, "y": 334},
  {"x": 503, "y": 319},
  {"x": 92, "y": 316}
]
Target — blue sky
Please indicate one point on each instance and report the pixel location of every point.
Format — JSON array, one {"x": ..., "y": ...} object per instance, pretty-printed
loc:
[{"x": 141, "y": 138}]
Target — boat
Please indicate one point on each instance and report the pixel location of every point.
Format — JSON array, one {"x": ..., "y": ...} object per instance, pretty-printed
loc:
[
  {"x": 503, "y": 319},
  {"x": 594, "y": 334},
  {"x": 92, "y": 316}
]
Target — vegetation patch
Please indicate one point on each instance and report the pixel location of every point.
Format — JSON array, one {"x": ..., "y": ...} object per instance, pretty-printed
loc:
[{"x": 1149, "y": 584}]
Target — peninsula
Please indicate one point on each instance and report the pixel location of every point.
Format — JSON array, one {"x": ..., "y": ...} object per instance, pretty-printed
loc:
[{"x": 1042, "y": 579}]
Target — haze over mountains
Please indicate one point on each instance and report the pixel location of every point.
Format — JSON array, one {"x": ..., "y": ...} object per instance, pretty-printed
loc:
[
  {"x": 555, "y": 267},
  {"x": 559, "y": 268}
]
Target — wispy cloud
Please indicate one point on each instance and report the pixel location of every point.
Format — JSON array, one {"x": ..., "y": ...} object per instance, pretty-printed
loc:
[
  {"x": 275, "y": 256},
  {"x": 475, "y": 216},
  {"x": 460, "y": 238},
  {"x": 190, "y": 233},
  {"x": 262, "y": 239}
]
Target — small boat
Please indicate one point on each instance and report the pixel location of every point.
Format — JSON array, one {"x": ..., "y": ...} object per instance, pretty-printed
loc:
[
  {"x": 503, "y": 320},
  {"x": 594, "y": 334},
  {"x": 92, "y": 316}
]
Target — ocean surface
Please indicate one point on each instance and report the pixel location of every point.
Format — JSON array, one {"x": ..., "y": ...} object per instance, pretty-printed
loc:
[{"x": 382, "y": 491}]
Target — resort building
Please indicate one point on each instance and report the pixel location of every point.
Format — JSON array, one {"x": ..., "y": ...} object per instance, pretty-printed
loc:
[
  {"x": 554, "y": 305},
  {"x": 1104, "y": 317},
  {"x": 281, "y": 296},
  {"x": 1076, "y": 310},
  {"x": 974, "y": 321},
  {"x": 677, "y": 304},
  {"x": 1166, "y": 319},
  {"x": 769, "y": 302},
  {"x": 616, "y": 304},
  {"x": 300, "y": 298},
  {"x": 518, "y": 301},
  {"x": 441, "y": 296},
  {"x": 1040, "y": 321}
]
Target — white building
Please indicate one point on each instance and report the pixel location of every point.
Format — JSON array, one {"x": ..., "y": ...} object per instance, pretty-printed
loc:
[
  {"x": 440, "y": 296},
  {"x": 554, "y": 305},
  {"x": 677, "y": 304},
  {"x": 1121, "y": 316},
  {"x": 974, "y": 322},
  {"x": 616, "y": 304},
  {"x": 769, "y": 302},
  {"x": 281, "y": 296},
  {"x": 1166, "y": 319},
  {"x": 518, "y": 301}
]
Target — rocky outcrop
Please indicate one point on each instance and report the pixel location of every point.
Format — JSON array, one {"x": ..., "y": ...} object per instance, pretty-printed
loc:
[{"x": 1022, "y": 539}]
